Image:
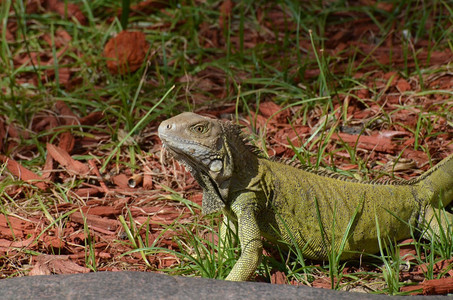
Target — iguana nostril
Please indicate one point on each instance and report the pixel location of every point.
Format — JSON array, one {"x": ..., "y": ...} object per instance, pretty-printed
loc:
[{"x": 169, "y": 126}]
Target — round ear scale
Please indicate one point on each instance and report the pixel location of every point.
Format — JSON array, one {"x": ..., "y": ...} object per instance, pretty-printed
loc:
[{"x": 216, "y": 165}]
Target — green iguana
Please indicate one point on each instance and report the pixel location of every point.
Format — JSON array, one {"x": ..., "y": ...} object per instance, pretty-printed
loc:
[{"x": 261, "y": 197}]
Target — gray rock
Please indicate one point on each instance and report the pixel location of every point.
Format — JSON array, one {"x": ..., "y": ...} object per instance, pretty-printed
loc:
[{"x": 140, "y": 285}]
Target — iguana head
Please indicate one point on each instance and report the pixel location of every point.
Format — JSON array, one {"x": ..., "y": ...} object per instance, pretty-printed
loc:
[{"x": 201, "y": 144}]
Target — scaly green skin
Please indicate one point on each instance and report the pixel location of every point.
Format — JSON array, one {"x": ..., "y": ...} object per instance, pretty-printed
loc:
[{"x": 261, "y": 197}]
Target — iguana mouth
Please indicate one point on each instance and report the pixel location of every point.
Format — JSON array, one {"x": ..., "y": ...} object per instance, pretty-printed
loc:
[
  {"x": 194, "y": 167},
  {"x": 184, "y": 158},
  {"x": 192, "y": 154}
]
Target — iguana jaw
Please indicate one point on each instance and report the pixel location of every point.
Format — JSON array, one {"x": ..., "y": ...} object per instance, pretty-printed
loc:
[
  {"x": 199, "y": 159},
  {"x": 198, "y": 143}
]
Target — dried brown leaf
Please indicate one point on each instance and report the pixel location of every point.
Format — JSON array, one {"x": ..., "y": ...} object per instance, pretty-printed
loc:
[
  {"x": 92, "y": 118},
  {"x": 225, "y": 11},
  {"x": 66, "y": 10},
  {"x": 56, "y": 264},
  {"x": 126, "y": 52},
  {"x": 402, "y": 85},
  {"x": 278, "y": 277}
]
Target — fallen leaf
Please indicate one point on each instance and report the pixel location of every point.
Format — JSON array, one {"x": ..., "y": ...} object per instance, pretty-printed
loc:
[
  {"x": 92, "y": 118},
  {"x": 402, "y": 85},
  {"x": 45, "y": 123},
  {"x": 67, "y": 140},
  {"x": 225, "y": 11},
  {"x": 39, "y": 269},
  {"x": 126, "y": 52},
  {"x": 56, "y": 264},
  {"x": 322, "y": 282},
  {"x": 146, "y": 7},
  {"x": 388, "y": 7},
  {"x": 278, "y": 277},
  {"x": 269, "y": 109},
  {"x": 69, "y": 118},
  {"x": 403, "y": 164},
  {"x": 66, "y": 10}
]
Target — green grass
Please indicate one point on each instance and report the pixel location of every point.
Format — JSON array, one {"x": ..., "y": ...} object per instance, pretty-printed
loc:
[{"x": 246, "y": 63}]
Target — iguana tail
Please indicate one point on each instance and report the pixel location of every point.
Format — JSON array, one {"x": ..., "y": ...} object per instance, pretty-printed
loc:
[{"x": 438, "y": 181}]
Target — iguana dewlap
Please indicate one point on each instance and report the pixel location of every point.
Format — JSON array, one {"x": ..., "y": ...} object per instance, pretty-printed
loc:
[{"x": 266, "y": 198}]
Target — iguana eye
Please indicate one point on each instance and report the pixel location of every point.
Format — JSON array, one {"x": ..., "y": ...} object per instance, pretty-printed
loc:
[{"x": 200, "y": 128}]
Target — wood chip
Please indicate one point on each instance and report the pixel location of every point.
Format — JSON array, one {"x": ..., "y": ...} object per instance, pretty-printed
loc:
[
  {"x": 23, "y": 173},
  {"x": 64, "y": 159}
]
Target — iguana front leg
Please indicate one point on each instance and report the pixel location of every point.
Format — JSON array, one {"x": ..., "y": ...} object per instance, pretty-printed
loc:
[
  {"x": 439, "y": 221},
  {"x": 246, "y": 210}
]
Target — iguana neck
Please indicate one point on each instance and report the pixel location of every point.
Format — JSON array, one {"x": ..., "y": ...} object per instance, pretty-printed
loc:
[{"x": 244, "y": 156}]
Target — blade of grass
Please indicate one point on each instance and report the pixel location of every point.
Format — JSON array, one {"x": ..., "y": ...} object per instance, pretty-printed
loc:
[{"x": 139, "y": 123}]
